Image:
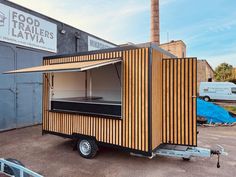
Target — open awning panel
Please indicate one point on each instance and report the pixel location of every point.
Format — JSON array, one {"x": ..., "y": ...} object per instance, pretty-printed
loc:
[{"x": 77, "y": 66}]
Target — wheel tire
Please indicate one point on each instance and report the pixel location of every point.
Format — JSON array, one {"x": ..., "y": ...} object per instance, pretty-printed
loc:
[
  {"x": 186, "y": 159},
  {"x": 207, "y": 98},
  {"x": 87, "y": 148}
]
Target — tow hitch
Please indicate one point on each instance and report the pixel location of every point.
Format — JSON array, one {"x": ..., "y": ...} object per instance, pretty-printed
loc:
[
  {"x": 187, "y": 152},
  {"x": 219, "y": 152}
]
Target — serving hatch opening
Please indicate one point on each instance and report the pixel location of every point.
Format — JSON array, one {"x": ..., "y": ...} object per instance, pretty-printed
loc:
[
  {"x": 87, "y": 87},
  {"x": 93, "y": 92}
]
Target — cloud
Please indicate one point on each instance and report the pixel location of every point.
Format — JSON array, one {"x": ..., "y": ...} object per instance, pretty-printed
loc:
[
  {"x": 229, "y": 58},
  {"x": 207, "y": 28},
  {"x": 110, "y": 20},
  {"x": 210, "y": 38},
  {"x": 117, "y": 21}
]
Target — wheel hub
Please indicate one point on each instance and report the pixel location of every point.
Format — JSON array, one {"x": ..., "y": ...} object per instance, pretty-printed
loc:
[{"x": 85, "y": 147}]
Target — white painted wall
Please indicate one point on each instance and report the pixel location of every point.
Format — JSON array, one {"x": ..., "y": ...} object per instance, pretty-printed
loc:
[
  {"x": 69, "y": 84},
  {"x": 105, "y": 82}
]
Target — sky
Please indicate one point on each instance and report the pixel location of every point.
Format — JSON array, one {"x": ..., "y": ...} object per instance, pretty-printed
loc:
[{"x": 208, "y": 27}]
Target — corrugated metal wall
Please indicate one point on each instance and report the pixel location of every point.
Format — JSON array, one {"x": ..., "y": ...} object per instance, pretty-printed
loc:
[
  {"x": 20, "y": 95},
  {"x": 7, "y": 88}
]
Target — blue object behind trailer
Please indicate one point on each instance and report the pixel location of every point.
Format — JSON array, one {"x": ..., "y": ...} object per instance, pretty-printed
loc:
[{"x": 213, "y": 113}]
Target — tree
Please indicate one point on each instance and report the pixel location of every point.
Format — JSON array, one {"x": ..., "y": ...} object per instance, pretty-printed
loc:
[{"x": 224, "y": 72}]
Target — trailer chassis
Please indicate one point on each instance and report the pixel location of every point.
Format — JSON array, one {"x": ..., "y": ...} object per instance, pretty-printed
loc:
[{"x": 186, "y": 152}]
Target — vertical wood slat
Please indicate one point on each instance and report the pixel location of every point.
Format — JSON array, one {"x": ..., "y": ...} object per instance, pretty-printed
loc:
[
  {"x": 129, "y": 137},
  {"x": 140, "y": 99},
  {"x": 157, "y": 98},
  {"x": 164, "y": 80},
  {"x": 126, "y": 115},
  {"x": 143, "y": 97},
  {"x": 179, "y": 102},
  {"x": 134, "y": 121},
  {"x": 146, "y": 95},
  {"x": 171, "y": 96},
  {"x": 183, "y": 102},
  {"x": 136, "y": 116},
  {"x": 133, "y": 100},
  {"x": 194, "y": 102},
  {"x": 168, "y": 103},
  {"x": 186, "y": 102},
  {"x": 190, "y": 125},
  {"x": 124, "y": 98},
  {"x": 175, "y": 111}
]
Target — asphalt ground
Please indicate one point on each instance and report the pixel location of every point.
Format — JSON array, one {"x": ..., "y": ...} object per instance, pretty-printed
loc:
[{"x": 53, "y": 156}]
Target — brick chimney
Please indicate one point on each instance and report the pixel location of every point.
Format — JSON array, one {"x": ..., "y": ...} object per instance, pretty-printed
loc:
[{"x": 155, "y": 26}]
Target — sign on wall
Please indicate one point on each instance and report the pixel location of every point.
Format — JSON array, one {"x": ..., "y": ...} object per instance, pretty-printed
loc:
[
  {"x": 96, "y": 44},
  {"x": 24, "y": 29}
]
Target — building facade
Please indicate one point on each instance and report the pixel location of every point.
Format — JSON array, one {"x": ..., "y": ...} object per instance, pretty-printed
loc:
[
  {"x": 177, "y": 48},
  {"x": 205, "y": 73},
  {"x": 25, "y": 38}
]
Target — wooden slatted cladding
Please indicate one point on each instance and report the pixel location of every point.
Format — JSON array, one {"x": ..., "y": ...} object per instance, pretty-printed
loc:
[
  {"x": 156, "y": 98},
  {"x": 179, "y": 101},
  {"x": 132, "y": 130}
]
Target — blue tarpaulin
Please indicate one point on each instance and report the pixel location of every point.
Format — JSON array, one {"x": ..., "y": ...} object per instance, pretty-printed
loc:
[{"x": 213, "y": 113}]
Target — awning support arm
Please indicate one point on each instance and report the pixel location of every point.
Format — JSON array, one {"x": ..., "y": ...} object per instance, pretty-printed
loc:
[
  {"x": 49, "y": 83},
  {"x": 117, "y": 72}
]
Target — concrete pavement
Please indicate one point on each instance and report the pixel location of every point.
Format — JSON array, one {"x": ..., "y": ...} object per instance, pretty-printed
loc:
[{"x": 53, "y": 156}]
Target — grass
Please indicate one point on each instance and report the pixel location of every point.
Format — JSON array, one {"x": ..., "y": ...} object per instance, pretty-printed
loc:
[{"x": 231, "y": 109}]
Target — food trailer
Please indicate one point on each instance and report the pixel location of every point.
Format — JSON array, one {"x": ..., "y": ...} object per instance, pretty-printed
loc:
[{"x": 139, "y": 99}]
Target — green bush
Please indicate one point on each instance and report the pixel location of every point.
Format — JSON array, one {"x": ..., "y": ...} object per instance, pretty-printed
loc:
[{"x": 224, "y": 72}]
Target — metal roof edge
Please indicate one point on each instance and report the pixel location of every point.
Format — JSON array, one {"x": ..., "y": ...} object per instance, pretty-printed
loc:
[{"x": 115, "y": 49}]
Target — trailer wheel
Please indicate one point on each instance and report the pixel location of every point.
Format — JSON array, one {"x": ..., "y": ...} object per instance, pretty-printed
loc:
[
  {"x": 87, "y": 148},
  {"x": 206, "y": 98}
]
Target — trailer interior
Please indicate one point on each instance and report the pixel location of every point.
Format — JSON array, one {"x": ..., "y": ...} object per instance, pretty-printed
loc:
[{"x": 95, "y": 91}]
